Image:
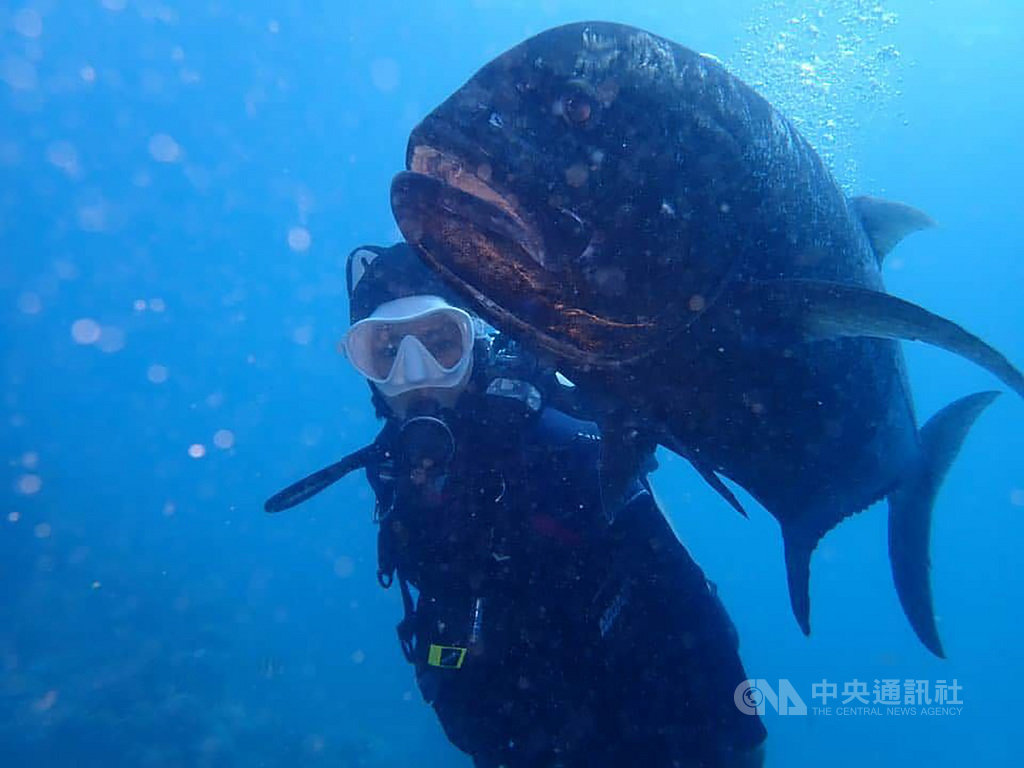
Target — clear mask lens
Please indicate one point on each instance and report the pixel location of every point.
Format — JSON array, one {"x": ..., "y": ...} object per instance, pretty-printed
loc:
[{"x": 428, "y": 348}]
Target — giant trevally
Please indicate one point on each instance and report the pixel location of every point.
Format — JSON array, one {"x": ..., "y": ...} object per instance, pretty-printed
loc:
[{"x": 641, "y": 215}]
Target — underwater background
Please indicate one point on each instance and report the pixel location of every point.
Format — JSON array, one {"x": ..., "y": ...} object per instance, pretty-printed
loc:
[{"x": 180, "y": 183}]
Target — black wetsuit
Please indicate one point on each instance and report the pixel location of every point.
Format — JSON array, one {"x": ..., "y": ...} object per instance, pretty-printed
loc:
[{"x": 542, "y": 634}]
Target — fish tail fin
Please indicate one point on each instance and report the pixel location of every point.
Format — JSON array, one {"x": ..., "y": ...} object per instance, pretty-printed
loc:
[
  {"x": 910, "y": 512},
  {"x": 798, "y": 576}
]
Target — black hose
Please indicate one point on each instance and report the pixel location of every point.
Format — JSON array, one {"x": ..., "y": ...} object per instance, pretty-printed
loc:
[{"x": 310, "y": 486}]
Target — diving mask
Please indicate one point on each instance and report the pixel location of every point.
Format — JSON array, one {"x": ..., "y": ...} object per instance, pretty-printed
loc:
[{"x": 412, "y": 343}]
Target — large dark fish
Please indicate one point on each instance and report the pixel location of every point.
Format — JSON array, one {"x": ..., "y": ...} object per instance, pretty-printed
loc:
[{"x": 634, "y": 210}]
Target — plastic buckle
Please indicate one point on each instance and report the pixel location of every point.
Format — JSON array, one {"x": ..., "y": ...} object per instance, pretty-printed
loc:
[{"x": 446, "y": 656}]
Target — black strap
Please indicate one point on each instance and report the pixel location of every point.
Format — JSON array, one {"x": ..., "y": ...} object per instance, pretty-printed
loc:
[{"x": 407, "y": 626}]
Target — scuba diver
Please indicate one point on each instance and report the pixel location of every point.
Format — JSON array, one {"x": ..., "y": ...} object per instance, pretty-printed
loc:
[{"x": 547, "y": 625}]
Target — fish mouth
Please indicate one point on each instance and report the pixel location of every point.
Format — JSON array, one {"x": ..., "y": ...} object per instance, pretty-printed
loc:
[
  {"x": 451, "y": 170},
  {"x": 481, "y": 240}
]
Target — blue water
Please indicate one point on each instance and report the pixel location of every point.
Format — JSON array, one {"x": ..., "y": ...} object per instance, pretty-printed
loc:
[{"x": 180, "y": 183}]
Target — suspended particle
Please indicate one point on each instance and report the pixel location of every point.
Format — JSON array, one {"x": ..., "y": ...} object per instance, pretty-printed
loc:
[
  {"x": 224, "y": 439},
  {"x": 93, "y": 217},
  {"x": 111, "y": 339},
  {"x": 29, "y": 303},
  {"x": 19, "y": 73},
  {"x": 28, "y": 23},
  {"x": 157, "y": 374},
  {"x": 63, "y": 155},
  {"x": 299, "y": 239},
  {"x": 45, "y": 702},
  {"x": 384, "y": 74},
  {"x": 85, "y": 330},
  {"x": 577, "y": 175},
  {"x": 66, "y": 270},
  {"x": 344, "y": 567},
  {"x": 164, "y": 149}
]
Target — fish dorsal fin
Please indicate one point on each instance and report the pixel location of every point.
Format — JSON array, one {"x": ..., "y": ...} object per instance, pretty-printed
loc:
[{"x": 886, "y": 222}]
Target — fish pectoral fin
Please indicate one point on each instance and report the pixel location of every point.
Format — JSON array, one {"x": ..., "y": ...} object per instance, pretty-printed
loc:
[
  {"x": 910, "y": 512},
  {"x": 798, "y": 574},
  {"x": 815, "y": 310},
  {"x": 887, "y": 222},
  {"x": 717, "y": 485},
  {"x": 706, "y": 471}
]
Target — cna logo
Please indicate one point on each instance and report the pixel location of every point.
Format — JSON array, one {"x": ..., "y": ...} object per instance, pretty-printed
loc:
[{"x": 751, "y": 696}]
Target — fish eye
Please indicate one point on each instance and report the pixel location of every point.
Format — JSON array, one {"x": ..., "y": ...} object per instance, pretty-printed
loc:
[{"x": 577, "y": 108}]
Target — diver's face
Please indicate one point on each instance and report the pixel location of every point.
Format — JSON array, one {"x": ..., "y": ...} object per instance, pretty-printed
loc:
[
  {"x": 424, "y": 400},
  {"x": 415, "y": 349},
  {"x": 440, "y": 336}
]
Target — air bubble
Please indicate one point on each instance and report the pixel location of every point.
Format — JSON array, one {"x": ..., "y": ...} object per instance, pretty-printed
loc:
[{"x": 826, "y": 77}]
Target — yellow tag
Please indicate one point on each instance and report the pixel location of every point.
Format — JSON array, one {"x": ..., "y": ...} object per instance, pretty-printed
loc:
[{"x": 446, "y": 656}]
